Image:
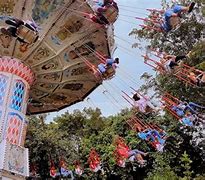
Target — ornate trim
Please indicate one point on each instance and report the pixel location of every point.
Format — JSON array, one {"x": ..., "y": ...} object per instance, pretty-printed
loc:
[{"x": 15, "y": 66}]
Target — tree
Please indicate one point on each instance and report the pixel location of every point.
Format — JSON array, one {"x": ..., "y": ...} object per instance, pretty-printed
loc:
[{"x": 186, "y": 164}]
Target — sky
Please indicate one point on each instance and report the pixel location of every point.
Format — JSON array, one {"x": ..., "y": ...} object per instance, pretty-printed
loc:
[{"x": 131, "y": 65}]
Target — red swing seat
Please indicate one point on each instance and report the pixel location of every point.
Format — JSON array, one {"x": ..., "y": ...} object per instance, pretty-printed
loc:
[
  {"x": 139, "y": 126},
  {"x": 155, "y": 64},
  {"x": 136, "y": 125},
  {"x": 188, "y": 74},
  {"x": 94, "y": 159},
  {"x": 121, "y": 151},
  {"x": 168, "y": 100}
]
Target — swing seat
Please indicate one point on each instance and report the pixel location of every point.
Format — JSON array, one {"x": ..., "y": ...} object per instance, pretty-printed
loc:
[
  {"x": 121, "y": 162},
  {"x": 174, "y": 22},
  {"x": 148, "y": 110},
  {"x": 109, "y": 74},
  {"x": 111, "y": 14},
  {"x": 26, "y": 34}
]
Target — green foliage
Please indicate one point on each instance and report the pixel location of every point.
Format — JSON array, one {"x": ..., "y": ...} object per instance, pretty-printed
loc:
[
  {"x": 186, "y": 164},
  {"x": 72, "y": 136},
  {"x": 161, "y": 169}
]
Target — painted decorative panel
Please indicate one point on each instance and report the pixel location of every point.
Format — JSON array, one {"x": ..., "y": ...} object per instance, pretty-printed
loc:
[
  {"x": 73, "y": 86},
  {"x": 51, "y": 77},
  {"x": 72, "y": 25},
  {"x": 18, "y": 95},
  {"x": 83, "y": 50},
  {"x": 23, "y": 134},
  {"x": 38, "y": 94},
  {"x": 14, "y": 126},
  {"x": 3, "y": 85},
  {"x": 43, "y": 52},
  {"x": 7, "y": 7},
  {"x": 52, "y": 65},
  {"x": 5, "y": 40},
  {"x": 43, "y": 8},
  {"x": 16, "y": 159}
]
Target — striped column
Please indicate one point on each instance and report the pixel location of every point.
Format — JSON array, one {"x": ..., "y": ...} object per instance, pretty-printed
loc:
[{"x": 15, "y": 81}]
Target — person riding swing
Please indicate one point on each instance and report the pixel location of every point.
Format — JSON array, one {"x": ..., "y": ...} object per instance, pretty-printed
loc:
[
  {"x": 172, "y": 16},
  {"x": 143, "y": 104},
  {"x": 199, "y": 80},
  {"x": 170, "y": 62},
  {"x": 98, "y": 17},
  {"x": 108, "y": 69},
  {"x": 184, "y": 107},
  {"x": 153, "y": 136}
]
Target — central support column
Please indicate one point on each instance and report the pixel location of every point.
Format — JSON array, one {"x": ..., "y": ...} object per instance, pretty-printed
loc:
[{"x": 15, "y": 81}]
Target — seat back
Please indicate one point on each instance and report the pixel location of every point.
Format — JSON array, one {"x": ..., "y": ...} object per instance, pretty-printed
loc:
[
  {"x": 174, "y": 22},
  {"x": 109, "y": 74},
  {"x": 26, "y": 34},
  {"x": 111, "y": 14}
]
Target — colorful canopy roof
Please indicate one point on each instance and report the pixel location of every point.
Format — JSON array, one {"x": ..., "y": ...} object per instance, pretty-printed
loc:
[{"x": 67, "y": 39}]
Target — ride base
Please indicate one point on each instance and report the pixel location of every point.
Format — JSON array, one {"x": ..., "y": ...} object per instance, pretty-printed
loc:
[{"x": 15, "y": 81}]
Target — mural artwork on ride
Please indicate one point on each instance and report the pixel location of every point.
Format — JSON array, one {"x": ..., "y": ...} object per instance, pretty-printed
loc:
[
  {"x": 43, "y": 8},
  {"x": 5, "y": 40},
  {"x": 15, "y": 159},
  {"x": 7, "y": 7},
  {"x": 72, "y": 25}
]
